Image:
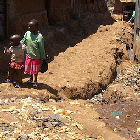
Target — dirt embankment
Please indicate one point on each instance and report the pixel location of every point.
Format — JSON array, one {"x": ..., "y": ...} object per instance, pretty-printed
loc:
[
  {"x": 82, "y": 70},
  {"x": 86, "y": 69}
]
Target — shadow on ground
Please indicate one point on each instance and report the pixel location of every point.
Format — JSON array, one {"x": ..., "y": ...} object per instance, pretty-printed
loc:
[{"x": 41, "y": 86}]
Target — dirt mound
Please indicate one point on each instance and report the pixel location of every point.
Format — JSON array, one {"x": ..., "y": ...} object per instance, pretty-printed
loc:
[
  {"x": 81, "y": 71},
  {"x": 76, "y": 73}
]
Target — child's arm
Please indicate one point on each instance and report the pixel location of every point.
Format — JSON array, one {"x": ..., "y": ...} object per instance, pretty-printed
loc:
[
  {"x": 24, "y": 47},
  {"x": 7, "y": 51},
  {"x": 23, "y": 41},
  {"x": 41, "y": 47}
]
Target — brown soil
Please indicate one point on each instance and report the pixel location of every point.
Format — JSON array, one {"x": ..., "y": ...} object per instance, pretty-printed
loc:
[
  {"x": 127, "y": 121},
  {"x": 81, "y": 71}
]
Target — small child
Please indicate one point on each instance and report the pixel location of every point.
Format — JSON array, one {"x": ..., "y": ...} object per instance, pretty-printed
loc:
[{"x": 17, "y": 60}]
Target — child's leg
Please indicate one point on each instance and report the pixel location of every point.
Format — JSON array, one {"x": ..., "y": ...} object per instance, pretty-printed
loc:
[
  {"x": 19, "y": 76},
  {"x": 11, "y": 74},
  {"x": 35, "y": 78},
  {"x": 31, "y": 78}
]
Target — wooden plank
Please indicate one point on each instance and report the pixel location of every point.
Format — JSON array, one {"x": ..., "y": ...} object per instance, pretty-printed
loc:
[{"x": 128, "y": 0}]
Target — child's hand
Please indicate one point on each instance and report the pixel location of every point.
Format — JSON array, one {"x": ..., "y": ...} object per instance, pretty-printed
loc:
[{"x": 5, "y": 49}]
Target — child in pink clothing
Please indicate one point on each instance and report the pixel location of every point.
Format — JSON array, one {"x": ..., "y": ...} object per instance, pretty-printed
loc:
[{"x": 17, "y": 60}]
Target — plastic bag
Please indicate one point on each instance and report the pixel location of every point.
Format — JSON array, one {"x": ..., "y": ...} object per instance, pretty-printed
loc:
[{"x": 44, "y": 66}]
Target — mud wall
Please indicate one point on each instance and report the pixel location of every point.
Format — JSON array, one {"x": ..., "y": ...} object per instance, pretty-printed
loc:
[
  {"x": 118, "y": 7},
  {"x": 58, "y": 11},
  {"x": 19, "y": 12},
  {"x": 67, "y": 9},
  {"x": 111, "y": 3}
]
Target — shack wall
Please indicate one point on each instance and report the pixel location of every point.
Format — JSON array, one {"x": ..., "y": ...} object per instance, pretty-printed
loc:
[
  {"x": 63, "y": 11},
  {"x": 118, "y": 7},
  {"x": 19, "y": 12}
]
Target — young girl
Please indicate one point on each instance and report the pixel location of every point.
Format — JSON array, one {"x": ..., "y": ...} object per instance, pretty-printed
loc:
[
  {"x": 33, "y": 40},
  {"x": 17, "y": 60}
]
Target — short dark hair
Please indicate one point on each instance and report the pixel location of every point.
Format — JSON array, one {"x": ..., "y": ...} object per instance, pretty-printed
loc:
[
  {"x": 16, "y": 36},
  {"x": 34, "y": 21}
]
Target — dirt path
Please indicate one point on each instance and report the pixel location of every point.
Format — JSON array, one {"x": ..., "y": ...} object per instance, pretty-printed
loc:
[{"x": 80, "y": 72}]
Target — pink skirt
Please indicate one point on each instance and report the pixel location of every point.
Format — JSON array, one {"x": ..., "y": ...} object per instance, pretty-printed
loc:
[{"x": 32, "y": 66}]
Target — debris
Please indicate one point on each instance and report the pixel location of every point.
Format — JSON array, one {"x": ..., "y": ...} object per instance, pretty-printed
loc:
[
  {"x": 100, "y": 138},
  {"x": 79, "y": 126},
  {"x": 118, "y": 72},
  {"x": 138, "y": 131},
  {"x": 117, "y": 117},
  {"x": 63, "y": 112},
  {"x": 118, "y": 113},
  {"x": 52, "y": 100},
  {"x": 74, "y": 103},
  {"x": 24, "y": 137},
  {"x": 55, "y": 121},
  {"x": 11, "y": 109},
  {"x": 2, "y": 102},
  {"x": 131, "y": 55},
  {"x": 46, "y": 139},
  {"x": 98, "y": 98}
]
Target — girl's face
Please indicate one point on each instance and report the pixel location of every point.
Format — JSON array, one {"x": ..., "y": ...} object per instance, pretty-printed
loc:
[
  {"x": 12, "y": 42},
  {"x": 32, "y": 27}
]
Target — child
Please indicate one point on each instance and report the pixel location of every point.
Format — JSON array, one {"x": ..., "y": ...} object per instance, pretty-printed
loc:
[
  {"x": 17, "y": 60},
  {"x": 34, "y": 42}
]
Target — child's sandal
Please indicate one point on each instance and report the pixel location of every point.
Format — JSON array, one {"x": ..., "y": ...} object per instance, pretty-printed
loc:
[
  {"x": 17, "y": 85},
  {"x": 35, "y": 85}
]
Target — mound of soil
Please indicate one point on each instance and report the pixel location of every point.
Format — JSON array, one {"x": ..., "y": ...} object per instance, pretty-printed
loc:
[{"x": 82, "y": 71}]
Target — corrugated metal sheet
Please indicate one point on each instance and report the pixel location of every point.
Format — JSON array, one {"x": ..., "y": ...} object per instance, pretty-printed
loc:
[{"x": 128, "y": 0}]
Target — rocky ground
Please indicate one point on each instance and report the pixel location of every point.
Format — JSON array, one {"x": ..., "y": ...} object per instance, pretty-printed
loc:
[{"x": 90, "y": 91}]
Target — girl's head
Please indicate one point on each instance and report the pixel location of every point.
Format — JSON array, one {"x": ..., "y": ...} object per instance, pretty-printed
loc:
[
  {"x": 33, "y": 26},
  {"x": 15, "y": 40}
]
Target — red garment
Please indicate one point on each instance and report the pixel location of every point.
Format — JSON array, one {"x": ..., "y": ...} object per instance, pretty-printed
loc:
[{"x": 32, "y": 66}]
